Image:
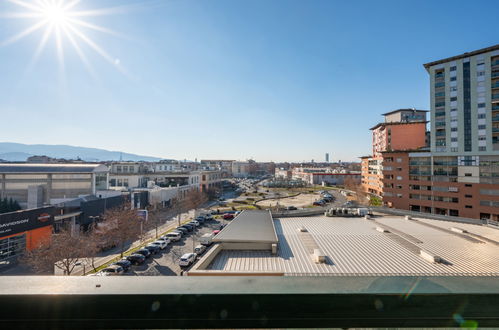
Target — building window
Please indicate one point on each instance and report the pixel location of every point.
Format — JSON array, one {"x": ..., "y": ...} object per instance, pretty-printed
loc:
[
  {"x": 118, "y": 168},
  {"x": 468, "y": 196},
  {"x": 468, "y": 185},
  {"x": 482, "y": 148},
  {"x": 468, "y": 206},
  {"x": 467, "y": 174},
  {"x": 453, "y": 68}
]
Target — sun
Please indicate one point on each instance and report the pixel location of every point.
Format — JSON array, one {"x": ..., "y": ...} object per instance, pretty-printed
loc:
[
  {"x": 55, "y": 14},
  {"x": 62, "y": 21}
]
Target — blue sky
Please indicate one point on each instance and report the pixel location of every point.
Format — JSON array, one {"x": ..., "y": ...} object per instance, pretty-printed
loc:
[{"x": 269, "y": 80}]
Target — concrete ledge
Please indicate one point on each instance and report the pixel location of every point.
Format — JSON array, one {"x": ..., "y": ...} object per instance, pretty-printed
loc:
[
  {"x": 231, "y": 273},
  {"x": 207, "y": 258}
]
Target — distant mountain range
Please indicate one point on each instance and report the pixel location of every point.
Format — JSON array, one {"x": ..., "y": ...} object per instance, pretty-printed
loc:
[{"x": 20, "y": 152}]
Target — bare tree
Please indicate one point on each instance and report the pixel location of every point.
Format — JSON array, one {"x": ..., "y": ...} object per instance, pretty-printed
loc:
[
  {"x": 192, "y": 200},
  {"x": 121, "y": 226},
  {"x": 64, "y": 252},
  {"x": 359, "y": 194},
  {"x": 155, "y": 221},
  {"x": 92, "y": 249}
]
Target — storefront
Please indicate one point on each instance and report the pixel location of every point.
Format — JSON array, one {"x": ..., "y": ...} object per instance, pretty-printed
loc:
[{"x": 24, "y": 230}]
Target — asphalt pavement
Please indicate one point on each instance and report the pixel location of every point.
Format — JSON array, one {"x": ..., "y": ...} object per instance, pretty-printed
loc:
[{"x": 165, "y": 263}]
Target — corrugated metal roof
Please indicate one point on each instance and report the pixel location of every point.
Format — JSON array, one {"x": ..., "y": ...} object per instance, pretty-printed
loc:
[
  {"x": 52, "y": 168},
  {"x": 249, "y": 226},
  {"x": 354, "y": 247}
]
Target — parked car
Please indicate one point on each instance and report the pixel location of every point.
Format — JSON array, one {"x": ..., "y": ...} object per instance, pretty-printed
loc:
[
  {"x": 113, "y": 270},
  {"x": 215, "y": 232},
  {"x": 208, "y": 217},
  {"x": 154, "y": 249},
  {"x": 174, "y": 236},
  {"x": 164, "y": 239},
  {"x": 188, "y": 227},
  {"x": 160, "y": 243},
  {"x": 319, "y": 203},
  {"x": 182, "y": 229},
  {"x": 228, "y": 216},
  {"x": 194, "y": 223},
  {"x": 124, "y": 263},
  {"x": 187, "y": 259},
  {"x": 145, "y": 252},
  {"x": 199, "y": 250},
  {"x": 291, "y": 208},
  {"x": 222, "y": 226},
  {"x": 136, "y": 258}
]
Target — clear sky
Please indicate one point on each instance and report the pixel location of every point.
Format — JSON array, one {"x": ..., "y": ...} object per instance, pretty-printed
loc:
[{"x": 269, "y": 80}]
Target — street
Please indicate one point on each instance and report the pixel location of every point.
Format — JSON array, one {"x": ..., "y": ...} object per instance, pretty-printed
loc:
[{"x": 166, "y": 261}]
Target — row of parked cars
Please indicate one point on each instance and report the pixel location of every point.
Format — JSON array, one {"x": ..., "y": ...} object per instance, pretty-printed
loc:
[
  {"x": 326, "y": 197},
  {"x": 139, "y": 256}
]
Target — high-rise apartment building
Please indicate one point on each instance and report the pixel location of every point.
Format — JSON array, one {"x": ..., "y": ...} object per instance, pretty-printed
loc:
[
  {"x": 460, "y": 176},
  {"x": 465, "y": 103},
  {"x": 403, "y": 130}
]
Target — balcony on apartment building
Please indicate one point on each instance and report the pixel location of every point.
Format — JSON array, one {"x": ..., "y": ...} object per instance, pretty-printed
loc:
[{"x": 419, "y": 163}]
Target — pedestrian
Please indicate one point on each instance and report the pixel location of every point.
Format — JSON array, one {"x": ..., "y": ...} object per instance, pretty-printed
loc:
[{"x": 181, "y": 273}]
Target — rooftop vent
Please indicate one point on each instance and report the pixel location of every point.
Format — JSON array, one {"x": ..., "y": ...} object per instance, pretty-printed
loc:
[
  {"x": 408, "y": 217},
  {"x": 458, "y": 230},
  {"x": 428, "y": 256},
  {"x": 302, "y": 229},
  {"x": 382, "y": 230},
  {"x": 274, "y": 249},
  {"x": 319, "y": 257}
]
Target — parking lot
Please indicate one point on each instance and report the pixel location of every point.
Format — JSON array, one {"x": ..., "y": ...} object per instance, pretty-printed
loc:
[{"x": 165, "y": 263}]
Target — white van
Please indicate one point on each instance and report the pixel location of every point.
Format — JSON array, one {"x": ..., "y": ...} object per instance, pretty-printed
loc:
[{"x": 206, "y": 239}]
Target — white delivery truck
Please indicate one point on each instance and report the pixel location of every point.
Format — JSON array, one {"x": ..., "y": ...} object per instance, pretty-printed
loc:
[{"x": 206, "y": 239}]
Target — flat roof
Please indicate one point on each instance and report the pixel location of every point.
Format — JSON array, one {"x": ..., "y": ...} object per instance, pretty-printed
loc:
[
  {"x": 354, "y": 247},
  {"x": 399, "y": 123},
  {"x": 52, "y": 168},
  {"x": 252, "y": 226},
  {"x": 467, "y": 54},
  {"x": 400, "y": 110}
]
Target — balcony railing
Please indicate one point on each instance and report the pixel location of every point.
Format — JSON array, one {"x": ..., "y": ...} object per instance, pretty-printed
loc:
[
  {"x": 495, "y": 130},
  {"x": 350, "y": 301},
  {"x": 419, "y": 173},
  {"x": 495, "y": 118},
  {"x": 445, "y": 173},
  {"x": 420, "y": 163}
]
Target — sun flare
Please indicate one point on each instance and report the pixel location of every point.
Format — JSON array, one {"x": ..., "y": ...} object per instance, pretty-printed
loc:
[{"x": 62, "y": 21}]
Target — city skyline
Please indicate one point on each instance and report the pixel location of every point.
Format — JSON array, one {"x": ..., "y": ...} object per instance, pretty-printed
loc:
[{"x": 204, "y": 81}]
